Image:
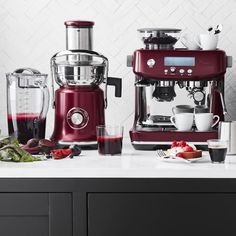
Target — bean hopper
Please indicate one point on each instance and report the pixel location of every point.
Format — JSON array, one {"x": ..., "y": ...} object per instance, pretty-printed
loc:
[
  {"x": 79, "y": 101},
  {"x": 165, "y": 77}
]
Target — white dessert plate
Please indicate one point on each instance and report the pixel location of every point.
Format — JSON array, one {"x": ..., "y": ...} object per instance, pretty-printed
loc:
[{"x": 175, "y": 159}]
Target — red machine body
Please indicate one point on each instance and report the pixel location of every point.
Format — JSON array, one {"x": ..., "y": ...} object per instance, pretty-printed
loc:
[
  {"x": 205, "y": 65},
  {"x": 78, "y": 110},
  {"x": 151, "y": 66}
]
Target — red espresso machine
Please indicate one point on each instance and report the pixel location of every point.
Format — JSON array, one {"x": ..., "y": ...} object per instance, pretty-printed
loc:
[
  {"x": 166, "y": 77},
  {"x": 79, "y": 101}
]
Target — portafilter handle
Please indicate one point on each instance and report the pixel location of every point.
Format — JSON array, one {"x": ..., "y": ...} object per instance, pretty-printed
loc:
[{"x": 76, "y": 53}]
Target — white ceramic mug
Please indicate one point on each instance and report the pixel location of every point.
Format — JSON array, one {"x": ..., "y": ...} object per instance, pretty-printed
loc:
[
  {"x": 204, "y": 121},
  {"x": 190, "y": 41},
  {"x": 207, "y": 41},
  {"x": 182, "y": 121}
]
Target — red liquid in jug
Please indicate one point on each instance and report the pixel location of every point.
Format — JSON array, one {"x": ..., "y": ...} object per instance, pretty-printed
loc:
[
  {"x": 25, "y": 126},
  {"x": 109, "y": 145}
]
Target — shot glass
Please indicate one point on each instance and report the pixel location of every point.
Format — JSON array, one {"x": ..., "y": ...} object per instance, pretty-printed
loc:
[
  {"x": 217, "y": 150},
  {"x": 110, "y": 139}
]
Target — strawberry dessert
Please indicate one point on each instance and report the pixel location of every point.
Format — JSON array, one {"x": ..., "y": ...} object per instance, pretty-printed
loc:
[{"x": 184, "y": 150}]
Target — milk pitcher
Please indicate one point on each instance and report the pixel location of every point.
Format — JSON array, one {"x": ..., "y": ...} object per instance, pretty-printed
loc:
[
  {"x": 227, "y": 131},
  {"x": 27, "y": 104}
]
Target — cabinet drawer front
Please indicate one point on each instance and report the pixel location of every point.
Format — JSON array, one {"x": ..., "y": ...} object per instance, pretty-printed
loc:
[
  {"x": 166, "y": 214},
  {"x": 13, "y": 204},
  {"x": 24, "y": 226}
]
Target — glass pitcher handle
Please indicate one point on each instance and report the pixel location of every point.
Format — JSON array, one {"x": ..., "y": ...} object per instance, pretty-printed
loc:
[{"x": 45, "y": 104}]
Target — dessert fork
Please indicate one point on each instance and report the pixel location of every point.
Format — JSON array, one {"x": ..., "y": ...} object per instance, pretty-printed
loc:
[{"x": 162, "y": 154}]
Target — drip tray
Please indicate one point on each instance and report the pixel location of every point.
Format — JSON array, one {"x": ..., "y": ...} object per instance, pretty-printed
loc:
[
  {"x": 159, "y": 118},
  {"x": 157, "y": 121},
  {"x": 156, "y": 124}
]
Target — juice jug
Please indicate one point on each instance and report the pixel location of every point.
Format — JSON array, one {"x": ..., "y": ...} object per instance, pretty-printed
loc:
[{"x": 27, "y": 104}]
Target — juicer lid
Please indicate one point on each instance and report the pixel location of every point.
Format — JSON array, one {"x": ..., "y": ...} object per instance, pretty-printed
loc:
[{"x": 79, "y": 23}]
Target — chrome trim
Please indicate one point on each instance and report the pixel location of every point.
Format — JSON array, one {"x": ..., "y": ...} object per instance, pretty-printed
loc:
[
  {"x": 79, "y": 143},
  {"x": 156, "y": 143}
]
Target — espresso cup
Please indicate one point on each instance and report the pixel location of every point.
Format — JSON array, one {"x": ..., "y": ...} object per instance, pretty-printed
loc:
[
  {"x": 182, "y": 109},
  {"x": 217, "y": 150},
  {"x": 189, "y": 39},
  {"x": 204, "y": 121},
  {"x": 182, "y": 121},
  {"x": 207, "y": 41}
]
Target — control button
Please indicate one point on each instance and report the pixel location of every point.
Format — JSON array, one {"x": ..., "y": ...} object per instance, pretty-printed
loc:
[
  {"x": 166, "y": 71},
  {"x": 76, "y": 118},
  {"x": 151, "y": 63},
  {"x": 189, "y": 71},
  {"x": 181, "y": 71},
  {"x": 172, "y": 69}
]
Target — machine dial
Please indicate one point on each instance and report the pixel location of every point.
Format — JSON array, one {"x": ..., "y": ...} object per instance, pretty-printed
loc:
[
  {"x": 77, "y": 118},
  {"x": 172, "y": 69},
  {"x": 151, "y": 63}
]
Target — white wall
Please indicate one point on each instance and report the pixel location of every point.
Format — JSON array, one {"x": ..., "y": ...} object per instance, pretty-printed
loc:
[{"x": 32, "y": 31}]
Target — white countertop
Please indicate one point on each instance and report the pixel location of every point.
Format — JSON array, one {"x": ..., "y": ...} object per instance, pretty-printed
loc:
[{"x": 131, "y": 164}]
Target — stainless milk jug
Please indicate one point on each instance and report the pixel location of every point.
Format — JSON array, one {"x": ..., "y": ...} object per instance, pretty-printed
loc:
[{"x": 227, "y": 131}]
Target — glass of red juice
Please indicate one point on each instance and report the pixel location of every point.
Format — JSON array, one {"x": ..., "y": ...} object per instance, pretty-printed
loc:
[{"x": 110, "y": 139}]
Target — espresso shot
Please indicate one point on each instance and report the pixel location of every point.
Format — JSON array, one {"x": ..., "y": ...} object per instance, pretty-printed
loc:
[{"x": 217, "y": 150}]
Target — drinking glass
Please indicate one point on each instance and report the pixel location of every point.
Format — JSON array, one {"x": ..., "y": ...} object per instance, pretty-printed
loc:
[
  {"x": 110, "y": 139},
  {"x": 217, "y": 149}
]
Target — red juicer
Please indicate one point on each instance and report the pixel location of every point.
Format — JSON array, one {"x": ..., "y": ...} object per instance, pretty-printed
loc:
[{"x": 79, "y": 101}]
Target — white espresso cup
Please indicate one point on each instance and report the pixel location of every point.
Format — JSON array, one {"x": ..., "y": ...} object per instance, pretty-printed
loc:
[
  {"x": 204, "y": 121},
  {"x": 207, "y": 41},
  {"x": 182, "y": 121}
]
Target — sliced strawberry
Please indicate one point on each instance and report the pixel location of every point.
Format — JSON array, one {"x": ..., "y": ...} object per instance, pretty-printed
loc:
[
  {"x": 188, "y": 149},
  {"x": 182, "y": 143},
  {"x": 179, "y": 154},
  {"x": 174, "y": 144}
]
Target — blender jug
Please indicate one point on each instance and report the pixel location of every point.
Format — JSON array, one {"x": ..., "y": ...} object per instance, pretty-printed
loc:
[{"x": 27, "y": 104}]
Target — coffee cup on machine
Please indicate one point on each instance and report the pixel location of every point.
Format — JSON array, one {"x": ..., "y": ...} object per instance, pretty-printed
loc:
[
  {"x": 204, "y": 121},
  {"x": 182, "y": 121},
  {"x": 207, "y": 41},
  {"x": 182, "y": 109}
]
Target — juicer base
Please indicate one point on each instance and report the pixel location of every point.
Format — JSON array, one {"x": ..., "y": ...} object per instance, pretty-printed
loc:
[{"x": 83, "y": 145}]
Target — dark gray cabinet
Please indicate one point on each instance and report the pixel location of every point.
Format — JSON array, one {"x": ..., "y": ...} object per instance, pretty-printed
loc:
[
  {"x": 165, "y": 214},
  {"x": 37, "y": 214},
  {"x": 116, "y": 206}
]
